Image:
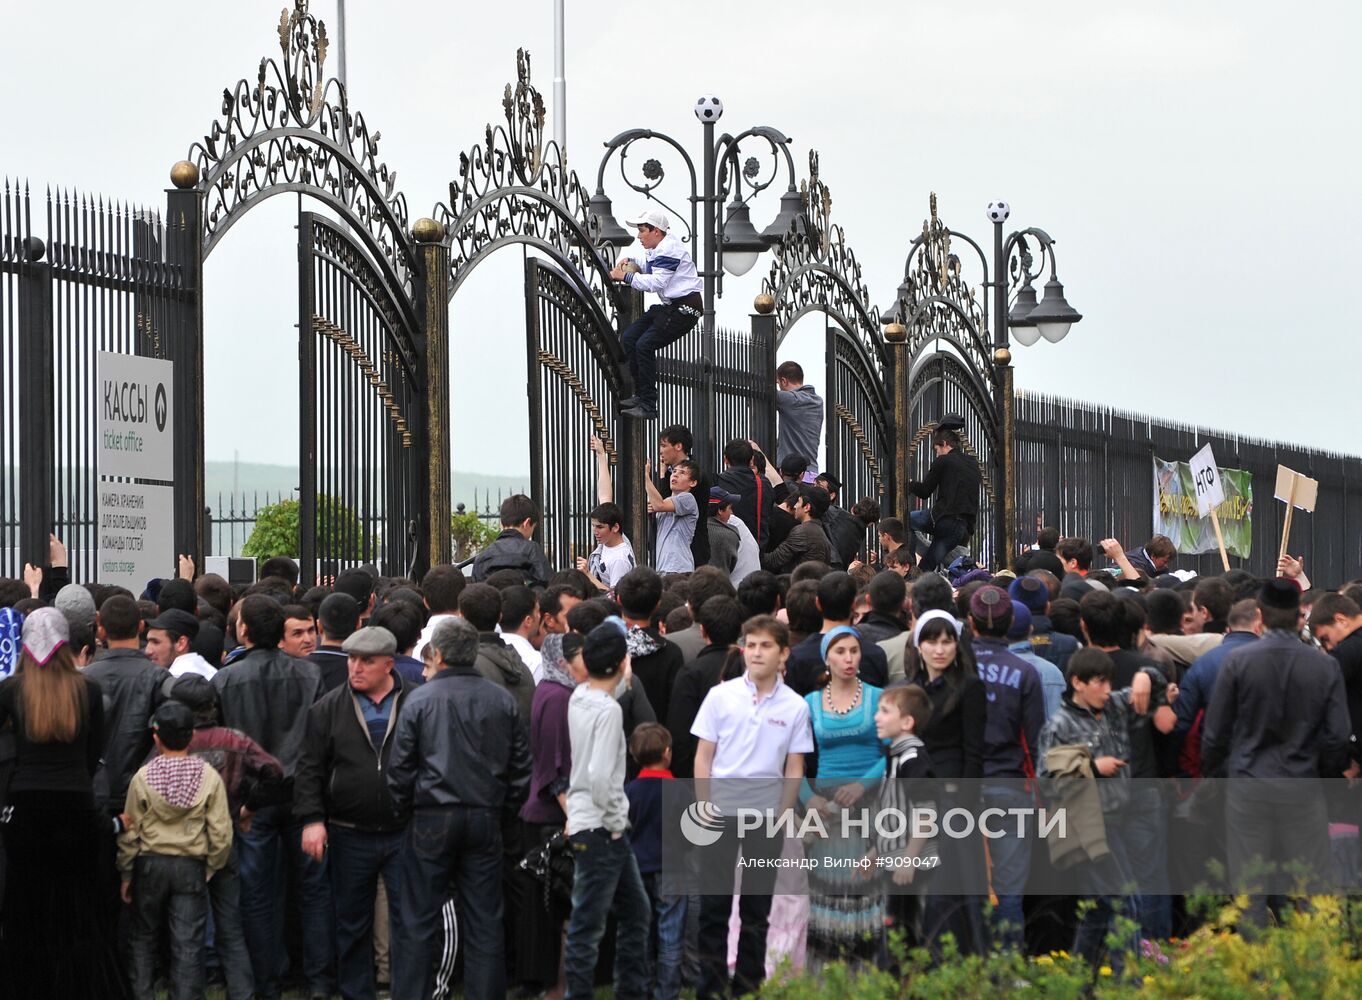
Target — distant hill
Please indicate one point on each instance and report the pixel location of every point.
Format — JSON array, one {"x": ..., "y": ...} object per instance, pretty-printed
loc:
[{"x": 252, "y": 479}]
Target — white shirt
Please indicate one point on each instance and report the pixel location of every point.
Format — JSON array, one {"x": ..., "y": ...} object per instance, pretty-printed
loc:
[
  {"x": 192, "y": 663},
  {"x": 753, "y": 735},
  {"x": 429, "y": 631},
  {"x": 749, "y": 552},
  {"x": 531, "y": 657},
  {"x": 667, "y": 270},
  {"x": 609, "y": 564}
]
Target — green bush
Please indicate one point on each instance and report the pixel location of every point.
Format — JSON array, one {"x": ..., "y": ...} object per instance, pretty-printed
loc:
[
  {"x": 470, "y": 534},
  {"x": 276, "y": 533}
]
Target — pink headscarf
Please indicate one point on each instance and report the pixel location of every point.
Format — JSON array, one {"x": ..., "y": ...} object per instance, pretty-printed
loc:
[{"x": 45, "y": 631}]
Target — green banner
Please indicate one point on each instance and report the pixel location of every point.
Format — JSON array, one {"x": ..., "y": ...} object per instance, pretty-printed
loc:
[{"x": 1175, "y": 512}]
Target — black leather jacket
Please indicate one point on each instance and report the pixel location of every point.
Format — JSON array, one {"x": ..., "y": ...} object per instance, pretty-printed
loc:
[
  {"x": 340, "y": 776},
  {"x": 131, "y": 685},
  {"x": 954, "y": 478},
  {"x": 459, "y": 742},
  {"x": 266, "y": 694},
  {"x": 512, "y": 550}
]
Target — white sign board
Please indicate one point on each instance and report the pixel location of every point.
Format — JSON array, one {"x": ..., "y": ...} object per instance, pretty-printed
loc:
[
  {"x": 136, "y": 536},
  {"x": 1210, "y": 491},
  {"x": 136, "y": 429}
]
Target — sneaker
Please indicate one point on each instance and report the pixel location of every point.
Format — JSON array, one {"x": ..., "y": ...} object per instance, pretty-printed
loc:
[
  {"x": 631, "y": 401},
  {"x": 640, "y": 411}
]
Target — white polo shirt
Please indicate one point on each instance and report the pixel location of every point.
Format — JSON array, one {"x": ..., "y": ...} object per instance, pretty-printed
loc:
[{"x": 752, "y": 735}]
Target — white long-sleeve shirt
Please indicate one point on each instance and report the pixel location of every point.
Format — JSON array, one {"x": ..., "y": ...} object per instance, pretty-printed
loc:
[{"x": 668, "y": 270}]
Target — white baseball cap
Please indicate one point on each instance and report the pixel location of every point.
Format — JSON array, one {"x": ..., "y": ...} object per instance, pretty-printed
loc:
[{"x": 651, "y": 217}]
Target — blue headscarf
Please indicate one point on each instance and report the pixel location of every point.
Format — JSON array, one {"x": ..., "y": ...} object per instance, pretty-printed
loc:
[
  {"x": 11, "y": 640},
  {"x": 832, "y": 635}
]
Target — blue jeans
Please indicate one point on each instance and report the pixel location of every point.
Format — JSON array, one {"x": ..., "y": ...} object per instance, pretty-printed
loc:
[
  {"x": 459, "y": 845},
  {"x": 606, "y": 879},
  {"x": 1146, "y": 837},
  {"x": 356, "y": 861},
  {"x": 1011, "y": 863},
  {"x": 946, "y": 535},
  {"x": 171, "y": 890},
  {"x": 275, "y": 841},
  {"x": 659, "y": 327},
  {"x": 229, "y": 940},
  {"x": 668, "y": 939}
]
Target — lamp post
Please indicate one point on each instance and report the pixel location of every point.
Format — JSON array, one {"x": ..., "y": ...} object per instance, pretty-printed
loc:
[
  {"x": 733, "y": 247},
  {"x": 1015, "y": 313}
]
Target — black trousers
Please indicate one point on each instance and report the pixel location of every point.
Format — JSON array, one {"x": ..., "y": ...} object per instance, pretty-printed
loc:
[
  {"x": 754, "y": 912},
  {"x": 1264, "y": 828}
]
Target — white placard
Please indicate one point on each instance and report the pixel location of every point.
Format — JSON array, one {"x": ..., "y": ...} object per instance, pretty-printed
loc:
[
  {"x": 1210, "y": 491},
  {"x": 136, "y": 534},
  {"x": 136, "y": 427}
]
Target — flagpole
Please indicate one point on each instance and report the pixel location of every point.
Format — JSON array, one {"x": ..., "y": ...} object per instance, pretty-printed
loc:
[{"x": 559, "y": 80}]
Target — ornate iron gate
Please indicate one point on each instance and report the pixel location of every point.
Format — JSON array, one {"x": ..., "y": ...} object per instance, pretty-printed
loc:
[
  {"x": 859, "y": 441},
  {"x": 574, "y": 387},
  {"x": 362, "y": 408}
]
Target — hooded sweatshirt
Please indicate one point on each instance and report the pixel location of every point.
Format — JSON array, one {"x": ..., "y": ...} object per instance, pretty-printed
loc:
[
  {"x": 177, "y": 806},
  {"x": 502, "y": 665}
]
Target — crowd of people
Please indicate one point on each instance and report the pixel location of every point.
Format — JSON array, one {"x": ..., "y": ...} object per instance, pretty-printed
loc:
[{"x": 457, "y": 782}]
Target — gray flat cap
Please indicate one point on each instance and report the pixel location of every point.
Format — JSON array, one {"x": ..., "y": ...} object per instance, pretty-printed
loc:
[{"x": 371, "y": 641}]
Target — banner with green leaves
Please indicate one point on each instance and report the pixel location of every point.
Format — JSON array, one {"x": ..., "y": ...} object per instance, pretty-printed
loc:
[{"x": 1175, "y": 512}]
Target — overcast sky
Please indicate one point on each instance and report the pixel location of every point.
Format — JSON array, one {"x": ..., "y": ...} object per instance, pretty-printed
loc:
[{"x": 1196, "y": 163}]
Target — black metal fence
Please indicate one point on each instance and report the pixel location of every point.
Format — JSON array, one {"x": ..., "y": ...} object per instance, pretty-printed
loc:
[{"x": 1088, "y": 470}]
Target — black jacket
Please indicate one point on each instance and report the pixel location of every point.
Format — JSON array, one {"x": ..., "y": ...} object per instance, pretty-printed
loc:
[
  {"x": 1278, "y": 711},
  {"x": 460, "y": 741},
  {"x": 656, "y": 662},
  {"x": 847, "y": 533},
  {"x": 1348, "y": 653},
  {"x": 807, "y": 542},
  {"x": 954, "y": 478},
  {"x": 693, "y": 682},
  {"x": 757, "y": 502},
  {"x": 131, "y": 685},
  {"x": 877, "y": 626},
  {"x": 340, "y": 776},
  {"x": 954, "y": 733},
  {"x": 266, "y": 694},
  {"x": 334, "y": 665},
  {"x": 512, "y": 550}
]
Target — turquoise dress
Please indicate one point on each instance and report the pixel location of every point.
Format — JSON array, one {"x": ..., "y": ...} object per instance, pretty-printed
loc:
[{"x": 846, "y": 913}]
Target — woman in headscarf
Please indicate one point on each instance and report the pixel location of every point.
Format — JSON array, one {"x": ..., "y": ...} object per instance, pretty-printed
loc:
[
  {"x": 60, "y": 907},
  {"x": 542, "y": 915},
  {"x": 846, "y": 915}
]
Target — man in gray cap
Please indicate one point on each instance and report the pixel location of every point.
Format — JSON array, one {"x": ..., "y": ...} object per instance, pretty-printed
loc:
[
  {"x": 75, "y": 602},
  {"x": 340, "y": 795}
]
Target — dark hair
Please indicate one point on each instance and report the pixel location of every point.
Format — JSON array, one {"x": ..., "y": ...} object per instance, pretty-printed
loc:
[
  {"x": 759, "y": 593},
  {"x": 1078, "y": 549},
  {"x": 1165, "y": 612},
  {"x": 82, "y": 637},
  {"x": 801, "y": 607},
  {"x": 281, "y": 566},
  {"x": 707, "y": 582},
  {"x": 608, "y": 514},
  {"x": 738, "y": 452},
  {"x": 298, "y": 611},
  {"x": 722, "y": 618},
  {"x": 1049, "y": 579},
  {"x": 358, "y": 584},
  {"x": 666, "y": 604},
  {"x": 1328, "y": 606},
  {"x": 678, "y": 619},
  {"x": 442, "y": 586},
  {"x": 208, "y": 643},
  {"x": 550, "y": 599},
  {"x": 836, "y": 596},
  {"x": 338, "y": 615},
  {"x": 580, "y": 583},
  {"x": 649, "y": 744},
  {"x": 264, "y": 620},
  {"x": 12, "y": 592},
  {"x": 507, "y": 576},
  {"x": 944, "y": 435},
  {"x": 587, "y": 615},
  {"x": 811, "y": 571},
  {"x": 1133, "y": 619},
  {"x": 177, "y": 594},
  {"x": 1065, "y": 618},
  {"x": 1244, "y": 613},
  {"x": 639, "y": 591},
  {"x": 1161, "y": 547},
  {"x": 174, "y": 725},
  {"x": 402, "y": 620},
  {"x": 1088, "y": 664},
  {"x": 678, "y": 435},
  {"x": 894, "y": 528},
  {"x": 909, "y": 700},
  {"x": 931, "y": 593},
  {"x": 1214, "y": 594},
  {"x": 957, "y": 672},
  {"x": 817, "y": 498},
  {"x": 271, "y": 586},
  {"x": 769, "y": 624},
  {"x": 1101, "y": 614},
  {"x": 1047, "y": 539},
  {"x": 791, "y": 370},
  {"x": 215, "y": 590},
  {"x": 480, "y": 603},
  {"x": 793, "y": 467},
  {"x": 516, "y": 509},
  {"x": 517, "y": 604},
  {"x": 121, "y": 618},
  {"x": 866, "y": 510},
  {"x": 690, "y": 467},
  {"x": 900, "y": 557},
  {"x": 887, "y": 592},
  {"x": 313, "y": 598}
]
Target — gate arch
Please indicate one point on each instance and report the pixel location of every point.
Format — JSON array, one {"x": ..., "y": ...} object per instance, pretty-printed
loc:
[
  {"x": 815, "y": 271},
  {"x": 360, "y": 332}
]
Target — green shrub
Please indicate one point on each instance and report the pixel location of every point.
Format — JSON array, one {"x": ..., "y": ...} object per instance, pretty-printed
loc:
[
  {"x": 276, "y": 533},
  {"x": 470, "y": 534}
]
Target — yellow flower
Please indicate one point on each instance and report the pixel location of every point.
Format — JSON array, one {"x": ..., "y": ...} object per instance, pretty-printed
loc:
[
  {"x": 1045, "y": 960},
  {"x": 1105, "y": 970},
  {"x": 1148, "y": 980}
]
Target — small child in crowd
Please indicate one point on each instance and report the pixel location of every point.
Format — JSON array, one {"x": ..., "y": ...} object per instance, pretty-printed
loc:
[{"x": 651, "y": 748}]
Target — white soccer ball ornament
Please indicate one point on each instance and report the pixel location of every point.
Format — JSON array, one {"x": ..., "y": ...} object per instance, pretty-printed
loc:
[
  {"x": 998, "y": 211},
  {"x": 709, "y": 109}
]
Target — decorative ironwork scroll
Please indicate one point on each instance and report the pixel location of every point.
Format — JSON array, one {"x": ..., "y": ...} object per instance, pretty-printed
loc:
[
  {"x": 293, "y": 130},
  {"x": 516, "y": 188},
  {"x": 863, "y": 440}
]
